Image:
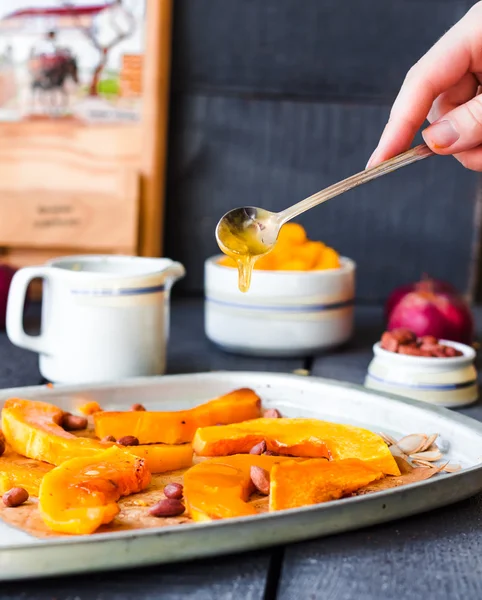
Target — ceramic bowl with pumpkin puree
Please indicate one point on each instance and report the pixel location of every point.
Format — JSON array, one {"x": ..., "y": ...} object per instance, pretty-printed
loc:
[{"x": 300, "y": 301}]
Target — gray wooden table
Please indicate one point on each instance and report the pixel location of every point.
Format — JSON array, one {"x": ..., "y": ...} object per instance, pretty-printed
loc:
[{"x": 433, "y": 556}]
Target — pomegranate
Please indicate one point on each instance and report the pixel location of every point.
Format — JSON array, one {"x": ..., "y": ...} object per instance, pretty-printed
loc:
[
  {"x": 426, "y": 284},
  {"x": 396, "y": 296},
  {"x": 6, "y": 276},
  {"x": 440, "y": 314}
]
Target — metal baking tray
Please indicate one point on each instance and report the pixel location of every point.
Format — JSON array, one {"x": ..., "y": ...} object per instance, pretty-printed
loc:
[{"x": 22, "y": 556}]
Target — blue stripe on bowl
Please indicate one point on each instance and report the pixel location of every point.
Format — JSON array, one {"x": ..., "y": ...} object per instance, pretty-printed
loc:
[
  {"x": 428, "y": 387},
  {"x": 120, "y": 292},
  {"x": 291, "y": 308}
]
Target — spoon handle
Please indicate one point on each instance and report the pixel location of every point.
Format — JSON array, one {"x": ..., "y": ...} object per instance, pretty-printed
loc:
[{"x": 406, "y": 158}]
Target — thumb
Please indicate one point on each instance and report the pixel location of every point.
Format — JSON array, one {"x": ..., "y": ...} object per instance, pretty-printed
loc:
[{"x": 458, "y": 130}]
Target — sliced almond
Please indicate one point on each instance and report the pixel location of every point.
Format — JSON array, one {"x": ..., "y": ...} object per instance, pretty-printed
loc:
[
  {"x": 389, "y": 441},
  {"x": 452, "y": 468},
  {"x": 404, "y": 466},
  {"x": 413, "y": 476},
  {"x": 396, "y": 452},
  {"x": 412, "y": 443},
  {"x": 422, "y": 463},
  {"x": 429, "y": 455},
  {"x": 429, "y": 443}
]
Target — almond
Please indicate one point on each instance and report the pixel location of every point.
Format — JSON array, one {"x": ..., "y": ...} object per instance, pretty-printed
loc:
[
  {"x": 167, "y": 508},
  {"x": 403, "y": 335},
  {"x": 260, "y": 479},
  {"x": 388, "y": 342},
  {"x": 73, "y": 422},
  {"x": 272, "y": 413},
  {"x": 15, "y": 497},
  {"x": 258, "y": 448},
  {"x": 128, "y": 440},
  {"x": 174, "y": 491}
]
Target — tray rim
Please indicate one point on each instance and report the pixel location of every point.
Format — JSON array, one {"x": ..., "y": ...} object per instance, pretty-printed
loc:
[
  {"x": 470, "y": 480},
  {"x": 134, "y": 382}
]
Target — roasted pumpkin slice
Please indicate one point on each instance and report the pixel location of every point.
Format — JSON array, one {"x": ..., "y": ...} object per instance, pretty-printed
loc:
[
  {"x": 89, "y": 408},
  {"x": 32, "y": 429},
  {"x": 310, "y": 438},
  {"x": 18, "y": 471},
  {"x": 219, "y": 488},
  {"x": 161, "y": 458},
  {"x": 81, "y": 494},
  {"x": 295, "y": 484},
  {"x": 178, "y": 427}
]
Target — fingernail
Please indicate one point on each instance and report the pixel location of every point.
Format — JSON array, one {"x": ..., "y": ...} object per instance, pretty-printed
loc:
[
  {"x": 441, "y": 134},
  {"x": 371, "y": 159}
]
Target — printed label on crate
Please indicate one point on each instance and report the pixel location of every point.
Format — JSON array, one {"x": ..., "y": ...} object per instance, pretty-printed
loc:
[
  {"x": 80, "y": 60},
  {"x": 69, "y": 219}
]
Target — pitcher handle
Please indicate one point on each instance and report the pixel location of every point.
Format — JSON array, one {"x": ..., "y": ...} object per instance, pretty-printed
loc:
[
  {"x": 15, "y": 304},
  {"x": 174, "y": 271}
]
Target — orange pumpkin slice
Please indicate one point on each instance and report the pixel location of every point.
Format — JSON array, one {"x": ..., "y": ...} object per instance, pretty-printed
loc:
[
  {"x": 310, "y": 438},
  {"x": 219, "y": 488},
  {"x": 18, "y": 471},
  {"x": 89, "y": 408},
  {"x": 161, "y": 458},
  {"x": 180, "y": 426},
  {"x": 32, "y": 429},
  {"x": 81, "y": 494},
  {"x": 295, "y": 484}
]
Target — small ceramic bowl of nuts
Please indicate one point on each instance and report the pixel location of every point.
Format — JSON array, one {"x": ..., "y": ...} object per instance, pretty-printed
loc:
[{"x": 437, "y": 371}]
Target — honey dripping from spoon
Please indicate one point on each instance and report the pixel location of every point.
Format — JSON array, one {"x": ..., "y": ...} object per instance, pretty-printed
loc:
[
  {"x": 246, "y": 236},
  {"x": 248, "y": 233}
]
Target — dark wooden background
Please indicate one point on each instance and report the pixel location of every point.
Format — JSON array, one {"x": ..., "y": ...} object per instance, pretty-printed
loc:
[{"x": 273, "y": 100}]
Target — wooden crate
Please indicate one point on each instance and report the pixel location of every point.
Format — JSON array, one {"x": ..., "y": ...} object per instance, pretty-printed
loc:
[
  {"x": 71, "y": 187},
  {"x": 67, "y": 185}
]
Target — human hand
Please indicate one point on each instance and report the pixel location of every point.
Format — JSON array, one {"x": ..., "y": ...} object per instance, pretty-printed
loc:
[{"x": 442, "y": 87}]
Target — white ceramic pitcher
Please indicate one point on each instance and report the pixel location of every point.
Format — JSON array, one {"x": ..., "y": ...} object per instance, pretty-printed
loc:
[{"x": 104, "y": 318}]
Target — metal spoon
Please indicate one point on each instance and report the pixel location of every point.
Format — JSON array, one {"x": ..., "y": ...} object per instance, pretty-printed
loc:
[{"x": 253, "y": 231}]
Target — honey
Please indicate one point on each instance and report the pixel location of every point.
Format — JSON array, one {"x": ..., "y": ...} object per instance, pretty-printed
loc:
[
  {"x": 244, "y": 246},
  {"x": 247, "y": 249}
]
